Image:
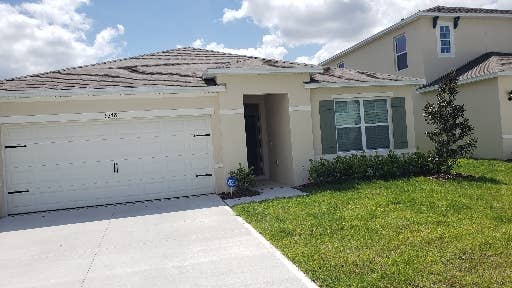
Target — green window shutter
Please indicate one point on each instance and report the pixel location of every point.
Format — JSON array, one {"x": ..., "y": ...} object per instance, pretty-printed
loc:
[
  {"x": 327, "y": 127},
  {"x": 399, "y": 121}
]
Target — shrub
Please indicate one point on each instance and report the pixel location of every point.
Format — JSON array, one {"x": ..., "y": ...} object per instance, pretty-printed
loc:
[
  {"x": 244, "y": 177},
  {"x": 451, "y": 133},
  {"x": 371, "y": 167}
]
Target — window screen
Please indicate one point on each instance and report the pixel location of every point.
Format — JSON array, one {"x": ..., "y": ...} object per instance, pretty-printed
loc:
[
  {"x": 362, "y": 125},
  {"x": 349, "y": 139},
  {"x": 347, "y": 113},
  {"x": 401, "y": 52},
  {"x": 445, "y": 39},
  {"x": 375, "y": 111}
]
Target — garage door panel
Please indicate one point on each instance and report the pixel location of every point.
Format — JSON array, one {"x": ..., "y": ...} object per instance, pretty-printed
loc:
[{"x": 72, "y": 165}]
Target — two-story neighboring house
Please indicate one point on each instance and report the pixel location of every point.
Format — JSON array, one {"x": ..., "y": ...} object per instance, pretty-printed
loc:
[{"x": 476, "y": 42}]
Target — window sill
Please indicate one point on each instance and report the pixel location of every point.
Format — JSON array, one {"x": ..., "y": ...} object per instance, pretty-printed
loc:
[
  {"x": 368, "y": 152},
  {"x": 446, "y": 55}
]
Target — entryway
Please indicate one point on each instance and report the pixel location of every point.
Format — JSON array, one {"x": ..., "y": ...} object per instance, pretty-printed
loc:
[
  {"x": 268, "y": 138},
  {"x": 254, "y": 138}
]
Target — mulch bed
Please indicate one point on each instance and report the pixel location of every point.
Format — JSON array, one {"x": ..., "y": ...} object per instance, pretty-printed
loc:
[{"x": 238, "y": 194}]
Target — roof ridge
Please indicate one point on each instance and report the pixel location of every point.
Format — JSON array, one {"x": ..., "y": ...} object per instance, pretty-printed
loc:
[{"x": 186, "y": 48}]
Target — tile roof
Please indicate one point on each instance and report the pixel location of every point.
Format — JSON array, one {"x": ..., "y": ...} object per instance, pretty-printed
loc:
[
  {"x": 181, "y": 68},
  {"x": 465, "y": 10},
  {"x": 345, "y": 75},
  {"x": 486, "y": 64}
]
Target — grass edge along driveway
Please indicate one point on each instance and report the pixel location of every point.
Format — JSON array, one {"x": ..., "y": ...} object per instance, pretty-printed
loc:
[{"x": 415, "y": 232}]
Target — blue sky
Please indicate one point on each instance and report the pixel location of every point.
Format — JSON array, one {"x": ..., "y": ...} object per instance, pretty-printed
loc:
[
  {"x": 159, "y": 25},
  {"x": 40, "y": 35}
]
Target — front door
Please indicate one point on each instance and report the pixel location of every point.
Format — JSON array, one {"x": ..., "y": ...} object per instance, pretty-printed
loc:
[{"x": 253, "y": 138}]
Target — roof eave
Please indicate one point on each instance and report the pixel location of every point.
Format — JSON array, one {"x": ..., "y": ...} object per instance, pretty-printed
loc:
[
  {"x": 363, "y": 84},
  {"x": 87, "y": 92},
  {"x": 468, "y": 80},
  {"x": 212, "y": 72}
]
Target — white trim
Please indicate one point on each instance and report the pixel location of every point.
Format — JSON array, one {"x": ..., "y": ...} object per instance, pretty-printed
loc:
[
  {"x": 396, "y": 54},
  {"x": 369, "y": 152},
  {"x": 464, "y": 14},
  {"x": 87, "y": 93},
  {"x": 364, "y": 84},
  {"x": 18, "y": 119},
  {"x": 232, "y": 111},
  {"x": 452, "y": 42},
  {"x": 212, "y": 72},
  {"x": 469, "y": 80},
  {"x": 404, "y": 22},
  {"x": 362, "y": 95},
  {"x": 363, "y": 124},
  {"x": 506, "y": 136},
  {"x": 299, "y": 108}
]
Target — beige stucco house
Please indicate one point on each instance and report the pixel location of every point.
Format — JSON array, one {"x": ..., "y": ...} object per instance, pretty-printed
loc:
[
  {"x": 476, "y": 42},
  {"x": 174, "y": 123}
]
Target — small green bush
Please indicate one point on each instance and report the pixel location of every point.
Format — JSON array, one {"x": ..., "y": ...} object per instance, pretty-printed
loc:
[
  {"x": 244, "y": 176},
  {"x": 371, "y": 167}
]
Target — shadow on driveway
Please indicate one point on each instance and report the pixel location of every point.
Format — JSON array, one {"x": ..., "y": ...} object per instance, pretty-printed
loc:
[{"x": 107, "y": 212}]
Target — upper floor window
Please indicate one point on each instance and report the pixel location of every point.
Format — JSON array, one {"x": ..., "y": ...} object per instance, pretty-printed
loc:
[
  {"x": 401, "y": 52},
  {"x": 341, "y": 64},
  {"x": 445, "y": 40}
]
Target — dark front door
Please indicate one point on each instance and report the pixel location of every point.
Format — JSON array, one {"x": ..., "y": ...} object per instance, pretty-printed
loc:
[{"x": 253, "y": 138}]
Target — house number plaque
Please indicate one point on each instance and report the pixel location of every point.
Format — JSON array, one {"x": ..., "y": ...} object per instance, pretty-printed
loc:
[{"x": 111, "y": 115}]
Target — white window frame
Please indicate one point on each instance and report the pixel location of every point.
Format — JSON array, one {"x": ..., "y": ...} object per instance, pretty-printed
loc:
[
  {"x": 362, "y": 125},
  {"x": 398, "y": 54},
  {"x": 452, "y": 42}
]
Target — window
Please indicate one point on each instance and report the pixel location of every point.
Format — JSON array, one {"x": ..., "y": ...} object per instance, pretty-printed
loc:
[
  {"x": 445, "y": 40},
  {"x": 362, "y": 125},
  {"x": 401, "y": 52},
  {"x": 341, "y": 65}
]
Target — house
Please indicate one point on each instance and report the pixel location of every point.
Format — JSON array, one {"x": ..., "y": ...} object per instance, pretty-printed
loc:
[
  {"x": 476, "y": 42},
  {"x": 174, "y": 123}
]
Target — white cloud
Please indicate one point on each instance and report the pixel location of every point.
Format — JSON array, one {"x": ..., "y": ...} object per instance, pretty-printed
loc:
[
  {"x": 270, "y": 48},
  {"x": 50, "y": 34},
  {"x": 334, "y": 24}
]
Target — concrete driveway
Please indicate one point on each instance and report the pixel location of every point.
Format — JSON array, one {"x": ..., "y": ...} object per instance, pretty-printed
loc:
[{"x": 187, "y": 242}]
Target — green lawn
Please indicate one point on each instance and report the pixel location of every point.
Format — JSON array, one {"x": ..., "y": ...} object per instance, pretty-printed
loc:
[{"x": 413, "y": 232}]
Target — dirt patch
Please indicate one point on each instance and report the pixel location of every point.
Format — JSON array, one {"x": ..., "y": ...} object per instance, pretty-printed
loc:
[{"x": 238, "y": 194}]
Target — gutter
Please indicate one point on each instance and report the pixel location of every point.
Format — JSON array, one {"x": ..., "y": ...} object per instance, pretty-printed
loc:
[
  {"x": 212, "y": 72},
  {"x": 107, "y": 92},
  {"x": 364, "y": 84},
  {"x": 467, "y": 81}
]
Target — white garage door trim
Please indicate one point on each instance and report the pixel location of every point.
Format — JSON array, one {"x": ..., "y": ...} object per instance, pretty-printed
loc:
[
  {"x": 110, "y": 115},
  {"x": 122, "y": 120}
]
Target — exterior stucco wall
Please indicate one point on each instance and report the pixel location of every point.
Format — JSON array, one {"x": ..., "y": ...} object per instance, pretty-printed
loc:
[
  {"x": 482, "y": 109},
  {"x": 328, "y": 93},
  {"x": 505, "y": 87},
  {"x": 473, "y": 37},
  {"x": 300, "y": 150},
  {"x": 378, "y": 56}
]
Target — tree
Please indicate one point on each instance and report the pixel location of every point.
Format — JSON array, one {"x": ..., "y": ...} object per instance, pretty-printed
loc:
[{"x": 451, "y": 133}]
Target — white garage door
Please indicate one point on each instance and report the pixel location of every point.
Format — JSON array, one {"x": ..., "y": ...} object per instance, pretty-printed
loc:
[{"x": 54, "y": 166}]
